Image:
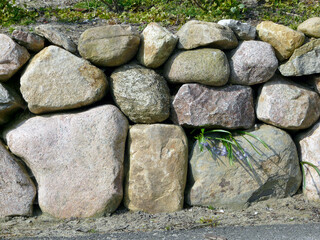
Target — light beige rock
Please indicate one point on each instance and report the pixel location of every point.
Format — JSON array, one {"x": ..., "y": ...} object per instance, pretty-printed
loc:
[
  {"x": 282, "y": 38},
  {"x": 157, "y": 43},
  {"x": 57, "y": 80},
  {"x": 109, "y": 46},
  {"x": 156, "y": 168},
  {"x": 77, "y": 159},
  {"x": 30, "y": 41},
  {"x": 287, "y": 105},
  {"x": 195, "y": 34},
  {"x": 309, "y": 146},
  {"x": 17, "y": 191},
  {"x": 311, "y": 27},
  {"x": 12, "y": 57}
]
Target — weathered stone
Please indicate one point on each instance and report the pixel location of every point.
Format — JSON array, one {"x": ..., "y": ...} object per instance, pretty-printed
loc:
[
  {"x": 195, "y": 34},
  {"x": 287, "y": 105},
  {"x": 109, "y": 46},
  {"x": 157, "y": 43},
  {"x": 274, "y": 174},
  {"x": 10, "y": 102},
  {"x": 17, "y": 191},
  {"x": 157, "y": 168},
  {"x": 304, "y": 61},
  {"x": 77, "y": 159},
  {"x": 308, "y": 147},
  {"x": 311, "y": 27},
  {"x": 314, "y": 81},
  {"x": 30, "y": 41},
  {"x": 229, "y": 107},
  {"x": 12, "y": 57},
  {"x": 243, "y": 31},
  {"x": 207, "y": 66},
  {"x": 141, "y": 93},
  {"x": 282, "y": 38},
  {"x": 55, "y": 36},
  {"x": 252, "y": 62},
  {"x": 48, "y": 85}
]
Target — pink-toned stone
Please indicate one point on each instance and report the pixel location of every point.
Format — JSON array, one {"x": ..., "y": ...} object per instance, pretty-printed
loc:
[
  {"x": 229, "y": 107},
  {"x": 17, "y": 191},
  {"x": 30, "y": 41},
  {"x": 12, "y": 57},
  {"x": 77, "y": 159}
]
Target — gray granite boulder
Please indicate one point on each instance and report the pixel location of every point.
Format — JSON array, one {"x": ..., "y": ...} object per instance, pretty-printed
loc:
[
  {"x": 274, "y": 174},
  {"x": 141, "y": 94},
  {"x": 287, "y": 105},
  {"x": 157, "y": 44},
  {"x": 57, "y": 80},
  {"x": 12, "y": 57},
  {"x": 156, "y": 168},
  {"x": 304, "y": 61},
  {"x": 195, "y": 34},
  {"x": 243, "y": 31},
  {"x": 207, "y": 66},
  {"x": 252, "y": 62},
  {"x": 76, "y": 158},
  {"x": 17, "y": 191},
  {"x": 30, "y": 41},
  {"x": 228, "y": 107},
  {"x": 110, "y": 45}
]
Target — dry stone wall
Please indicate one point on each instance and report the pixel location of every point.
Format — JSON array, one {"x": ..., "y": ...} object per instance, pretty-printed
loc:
[{"x": 118, "y": 111}]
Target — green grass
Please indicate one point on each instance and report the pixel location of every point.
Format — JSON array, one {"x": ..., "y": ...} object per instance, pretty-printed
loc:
[{"x": 167, "y": 12}]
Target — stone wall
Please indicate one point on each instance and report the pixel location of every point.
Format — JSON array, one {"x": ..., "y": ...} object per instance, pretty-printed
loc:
[{"x": 108, "y": 121}]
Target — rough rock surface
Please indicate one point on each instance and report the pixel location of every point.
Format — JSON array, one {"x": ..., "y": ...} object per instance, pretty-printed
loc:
[
  {"x": 157, "y": 168},
  {"x": 229, "y": 107},
  {"x": 47, "y": 85},
  {"x": 311, "y": 27},
  {"x": 141, "y": 93},
  {"x": 77, "y": 159},
  {"x": 30, "y": 41},
  {"x": 109, "y": 46},
  {"x": 243, "y": 31},
  {"x": 287, "y": 105},
  {"x": 274, "y": 174},
  {"x": 10, "y": 102},
  {"x": 282, "y": 38},
  {"x": 157, "y": 44},
  {"x": 309, "y": 146},
  {"x": 207, "y": 66},
  {"x": 12, "y": 57},
  {"x": 304, "y": 61},
  {"x": 314, "y": 81},
  {"x": 17, "y": 191},
  {"x": 252, "y": 62},
  {"x": 195, "y": 34},
  {"x": 55, "y": 36}
]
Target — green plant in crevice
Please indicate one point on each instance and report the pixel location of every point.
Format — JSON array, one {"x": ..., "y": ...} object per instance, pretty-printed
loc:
[
  {"x": 302, "y": 163},
  {"x": 231, "y": 147}
]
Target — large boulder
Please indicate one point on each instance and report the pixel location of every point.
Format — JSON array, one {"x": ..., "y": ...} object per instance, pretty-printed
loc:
[
  {"x": 243, "y": 31},
  {"x": 12, "y": 57},
  {"x": 56, "y": 80},
  {"x": 309, "y": 150},
  {"x": 304, "y": 61},
  {"x": 109, "y": 46},
  {"x": 229, "y": 107},
  {"x": 55, "y": 36},
  {"x": 141, "y": 94},
  {"x": 195, "y": 34},
  {"x": 157, "y": 43},
  {"x": 252, "y": 62},
  {"x": 282, "y": 38},
  {"x": 77, "y": 159},
  {"x": 207, "y": 66},
  {"x": 156, "y": 168},
  {"x": 17, "y": 191},
  {"x": 275, "y": 172},
  {"x": 287, "y": 105},
  {"x": 30, "y": 41},
  {"x": 310, "y": 27}
]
